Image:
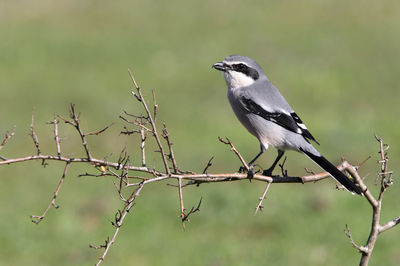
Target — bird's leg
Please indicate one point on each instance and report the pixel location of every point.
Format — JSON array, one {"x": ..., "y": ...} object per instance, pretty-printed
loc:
[
  {"x": 283, "y": 171},
  {"x": 268, "y": 172},
  {"x": 250, "y": 172},
  {"x": 255, "y": 158}
]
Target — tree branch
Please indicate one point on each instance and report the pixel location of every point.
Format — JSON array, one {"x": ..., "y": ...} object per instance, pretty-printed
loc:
[
  {"x": 385, "y": 178},
  {"x": 119, "y": 219},
  {"x": 34, "y": 137},
  {"x": 37, "y": 219},
  {"x": 7, "y": 137},
  {"x": 125, "y": 176},
  {"x": 259, "y": 206},
  {"x": 139, "y": 96}
]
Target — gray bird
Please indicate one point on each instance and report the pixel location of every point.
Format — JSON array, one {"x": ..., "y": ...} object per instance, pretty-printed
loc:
[{"x": 265, "y": 113}]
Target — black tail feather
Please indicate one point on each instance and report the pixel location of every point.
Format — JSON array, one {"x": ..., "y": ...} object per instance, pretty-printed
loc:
[{"x": 334, "y": 172}]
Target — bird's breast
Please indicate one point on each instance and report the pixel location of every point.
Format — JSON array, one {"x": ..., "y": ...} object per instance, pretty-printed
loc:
[{"x": 268, "y": 133}]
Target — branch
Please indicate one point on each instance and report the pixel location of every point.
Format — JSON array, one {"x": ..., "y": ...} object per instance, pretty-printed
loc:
[
  {"x": 358, "y": 180},
  {"x": 75, "y": 122},
  {"x": 99, "y": 132},
  {"x": 142, "y": 148},
  {"x": 124, "y": 175},
  {"x": 182, "y": 208},
  {"x": 38, "y": 219},
  {"x": 389, "y": 225},
  {"x": 140, "y": 98},
  {"x": 171, "y": 155},
  {"x": 192, "y": 210},
  {"x": 259, "y": 206},
  {"x": 228, "y": 142},
  {"x": 209, "y": 164},
  {"x": 56, "y": 137},
  {"x": 119, "y": 219},
  {"x": 7, "y": 137},
  {"x": 34, "y": 137},
  {"x": 348, "y": 234},
  {"x": 385, "y": 178}
]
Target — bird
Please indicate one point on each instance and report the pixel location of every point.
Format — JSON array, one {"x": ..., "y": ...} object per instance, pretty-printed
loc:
[{"x": 265, "y": 113}]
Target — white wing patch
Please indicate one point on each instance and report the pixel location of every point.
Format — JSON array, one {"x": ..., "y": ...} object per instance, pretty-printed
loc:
[{"x": 301, "y": 125}]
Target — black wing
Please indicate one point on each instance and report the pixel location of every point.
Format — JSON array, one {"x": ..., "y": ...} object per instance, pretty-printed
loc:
[{"x": 291, "y": 122}]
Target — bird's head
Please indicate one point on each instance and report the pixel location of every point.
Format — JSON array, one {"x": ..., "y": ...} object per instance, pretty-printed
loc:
[{"x": 239, "y": 71}]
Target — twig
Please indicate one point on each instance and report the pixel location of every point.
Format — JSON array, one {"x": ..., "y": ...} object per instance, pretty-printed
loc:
[
  {"x": 209, "y": 164},
  {"x": 34, "y": 137},
  {"x": 155, "y": 111},
  {"x": 182, "y": 208},
  {"x": 142, "y": 148},
  {"x": 7, "y": 137},
  {"x": 389, "y": 225},
  {"x": 152, "y": 122},
  {"x": 358, "y": 180},
  {"x": 192, "y": 210},
  {"x": 171, "y": 155},
  {"x": 259, "y": 206},
  {"x": 79, "y": 160},
  {"x": 119, "y": 219},
  {"x": 123, "y": 156},
  {"x": 348, "y": 234},
  {"x": 228, "y": 142},
  {"x": 376, "y": 204},
  {"x": 56, "y": 137},
  {"x": 95, "y": 175},
  {"x": 76, "y": 123},
  {"x": 99, "y": 132},
  {"x": 37, "y": 219}
]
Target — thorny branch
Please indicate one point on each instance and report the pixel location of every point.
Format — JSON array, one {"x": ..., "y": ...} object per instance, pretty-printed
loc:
[
  {"x": 55, "y": 122},
  {"x": 192, "y": 210},
  {"x": 385, "y": 178},
  {"x": 171, "y": 154},
  {"x": 133, "y": 178},
  {"x": 228, "y": 142},
  {"x": 34, "y": 137},
  {"x": 140, "y": 98},
  {"x": 259, "y": 205},
  {"x": 37, "y": 219},
  {"x": 7, "y": 137},
  {"x": 209, "y": 164},
  {"x": 119, "y": 219}
]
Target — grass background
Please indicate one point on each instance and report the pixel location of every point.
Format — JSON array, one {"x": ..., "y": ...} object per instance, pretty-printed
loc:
[{"x": 336, "y": 62}]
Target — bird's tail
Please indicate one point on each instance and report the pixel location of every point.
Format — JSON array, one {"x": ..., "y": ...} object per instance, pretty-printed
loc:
[{"x": 334, "y": 172}]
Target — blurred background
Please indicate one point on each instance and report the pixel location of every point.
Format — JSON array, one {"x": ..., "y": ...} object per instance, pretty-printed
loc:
[{"x": 336, "y": 62}]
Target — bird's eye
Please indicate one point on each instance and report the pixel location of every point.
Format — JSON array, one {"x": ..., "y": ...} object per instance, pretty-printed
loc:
[{"x": 240, "y": 67}]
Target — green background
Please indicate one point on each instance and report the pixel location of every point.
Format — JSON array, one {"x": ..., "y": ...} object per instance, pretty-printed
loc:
[{"x": 336, "y": 62}]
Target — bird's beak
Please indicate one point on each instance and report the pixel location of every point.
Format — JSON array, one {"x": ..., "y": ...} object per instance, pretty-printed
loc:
[{"x": 220, "y": 66}]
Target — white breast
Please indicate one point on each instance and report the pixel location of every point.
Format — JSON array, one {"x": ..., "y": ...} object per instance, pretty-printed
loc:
[{"x": 268, "y": 133}]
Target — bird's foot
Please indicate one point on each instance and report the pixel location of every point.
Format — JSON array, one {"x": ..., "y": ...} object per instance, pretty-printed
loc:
[
  {"x": 250, "y": 173},
  {"x": 242, "y": 169},
  {"x": 267, "y": 172}
]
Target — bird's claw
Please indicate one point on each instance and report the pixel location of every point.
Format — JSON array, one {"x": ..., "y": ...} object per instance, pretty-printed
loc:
[
  {"x": 250, "y": 173},
  {"x": 241, "y": 169},
  {"x": 267, "y": 172}
]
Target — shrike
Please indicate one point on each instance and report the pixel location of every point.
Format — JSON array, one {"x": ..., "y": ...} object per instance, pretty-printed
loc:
[{"x": 265, "y": 113}]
